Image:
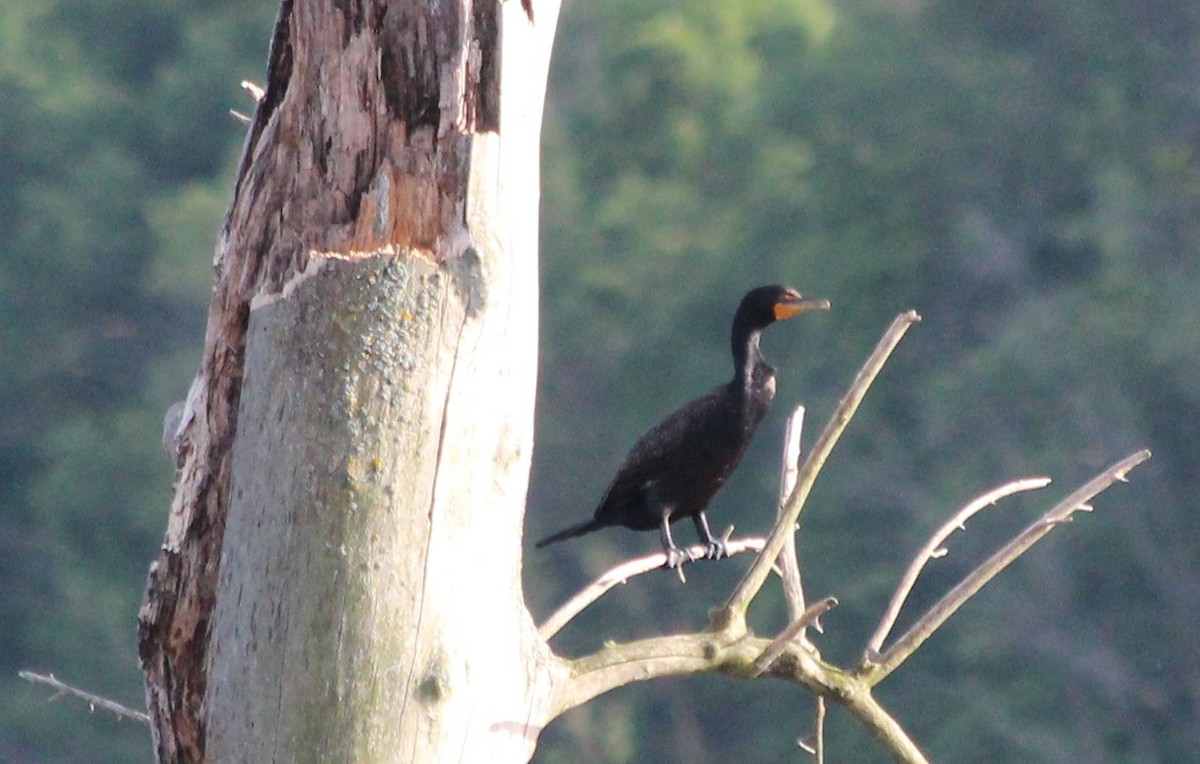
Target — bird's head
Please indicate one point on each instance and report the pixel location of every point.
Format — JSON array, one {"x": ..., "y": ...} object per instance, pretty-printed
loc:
[{"x": 768, "y": 304}]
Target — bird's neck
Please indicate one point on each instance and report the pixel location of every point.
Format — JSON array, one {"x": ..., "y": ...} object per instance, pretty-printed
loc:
[{"x": 747, "y": 358}]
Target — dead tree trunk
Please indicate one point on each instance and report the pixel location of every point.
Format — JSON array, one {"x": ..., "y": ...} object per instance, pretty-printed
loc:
[{"x": 340, "y": 577}]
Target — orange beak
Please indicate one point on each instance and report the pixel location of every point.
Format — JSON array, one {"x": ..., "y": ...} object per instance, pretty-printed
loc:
[{"x": 794, "y": 306}]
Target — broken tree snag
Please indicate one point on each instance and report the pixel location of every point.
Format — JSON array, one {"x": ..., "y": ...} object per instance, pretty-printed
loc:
[{"x": 346, "y": 470}]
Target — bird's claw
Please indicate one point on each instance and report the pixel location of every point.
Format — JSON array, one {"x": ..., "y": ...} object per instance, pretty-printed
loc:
[
  {"x": 716, "y": 549},
  {"x": 677, "y": 557}
]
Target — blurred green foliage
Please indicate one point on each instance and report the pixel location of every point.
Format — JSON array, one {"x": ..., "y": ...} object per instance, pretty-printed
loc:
[
  {"x": 1024, "y": 174},
  {"x": 116, "y": 150}
]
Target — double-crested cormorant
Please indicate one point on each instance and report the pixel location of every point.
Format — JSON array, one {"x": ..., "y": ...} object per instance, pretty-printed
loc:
[{"x": 674, "y": 469}]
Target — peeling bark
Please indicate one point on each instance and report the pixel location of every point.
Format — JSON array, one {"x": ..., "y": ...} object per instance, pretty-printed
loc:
[{"x": 356, "y": 444}]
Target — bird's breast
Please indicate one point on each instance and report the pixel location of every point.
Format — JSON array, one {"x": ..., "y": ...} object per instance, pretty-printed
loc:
[{"x": 758, "y": 398}]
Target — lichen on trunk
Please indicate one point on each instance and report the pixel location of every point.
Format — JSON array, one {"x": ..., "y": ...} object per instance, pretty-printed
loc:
[{"x": 356, "y": 444}]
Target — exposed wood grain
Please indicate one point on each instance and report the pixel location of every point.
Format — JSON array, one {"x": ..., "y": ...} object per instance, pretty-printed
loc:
[{"x": 371, "y": 138}]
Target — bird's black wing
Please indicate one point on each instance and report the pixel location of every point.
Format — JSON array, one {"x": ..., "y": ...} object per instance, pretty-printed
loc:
[{"x": 662, "y": 451}]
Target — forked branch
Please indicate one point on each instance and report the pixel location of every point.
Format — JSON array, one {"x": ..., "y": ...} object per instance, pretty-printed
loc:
[
  {"x": 616, "y": 665},
  {"x": 728, "y": 647},
  {"x": 874, "y": 671},
  {"x": 935, "y": 548},
  {"x": 733, "y": 614}
]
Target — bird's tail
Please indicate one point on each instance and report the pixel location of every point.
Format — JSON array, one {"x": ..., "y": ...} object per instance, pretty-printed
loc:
[{"x": 587, "y": 526}]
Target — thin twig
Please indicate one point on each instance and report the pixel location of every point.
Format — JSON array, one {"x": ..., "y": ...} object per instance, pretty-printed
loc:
[
  {"x": 256, "y": 92},
  {"x": 625, "y": 571},
  {"x": 820, "y": 731},
  {"x": 777, "y": 646},
  {"x": 94, "y": 701},
  {"x": 733, "y": 614},
  {"x": 789, "y": 563},
  {"x": 815, "y": 743},
  {"x": 934, "y": 548},
  {"x": 1061, "y": 513}
]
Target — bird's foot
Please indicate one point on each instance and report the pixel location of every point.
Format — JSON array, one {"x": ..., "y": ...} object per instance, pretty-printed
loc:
[
  {"x": 716, "y": 549},
  {"x": 677, "y": 557}
]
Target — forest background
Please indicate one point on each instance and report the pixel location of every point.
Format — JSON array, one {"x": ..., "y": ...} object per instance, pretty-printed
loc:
[{"x": 1025, "y": 174}]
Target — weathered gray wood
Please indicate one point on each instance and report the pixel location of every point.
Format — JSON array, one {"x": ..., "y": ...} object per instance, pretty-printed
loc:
[
  {"x": 368, "y": 599},
  {"x": 341, "y": 574}
]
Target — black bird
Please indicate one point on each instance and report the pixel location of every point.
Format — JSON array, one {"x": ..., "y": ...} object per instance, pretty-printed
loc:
[{"x": 675, "y": 468}]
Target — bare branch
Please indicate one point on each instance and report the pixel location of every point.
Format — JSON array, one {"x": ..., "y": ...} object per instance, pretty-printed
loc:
[
  {"x": 874, "y": 672},
  {"x": 815, "y": 743},
  {"x": 616, "y": 665},
  {"x": 789, "y": 563},
  {"x": 94, "y": 701},
  {"x": 777, "y": 646},
  {"x": 819, "y": 732},
  {"x": 733, "y": 614},
  {"x": 808, "y": 744},
  {"x": 933, "y": 548},
  {"x": 255, "y": 91},
  {"x": 625, "y": 571},
  {"x": 886, "y": 731}
]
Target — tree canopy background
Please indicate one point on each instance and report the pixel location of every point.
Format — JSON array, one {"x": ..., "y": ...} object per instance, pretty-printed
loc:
[{"x": 1026, "y": 175}]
